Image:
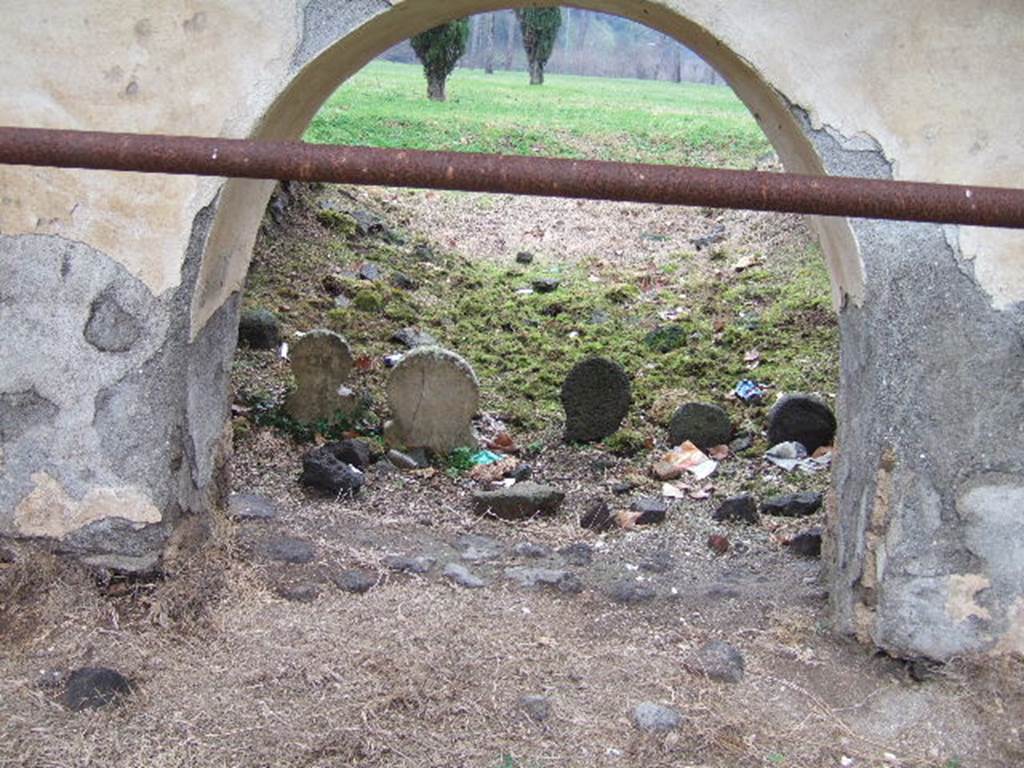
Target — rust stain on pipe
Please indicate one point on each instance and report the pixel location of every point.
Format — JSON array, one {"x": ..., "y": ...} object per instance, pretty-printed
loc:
[{"x": 548, "y": 177}]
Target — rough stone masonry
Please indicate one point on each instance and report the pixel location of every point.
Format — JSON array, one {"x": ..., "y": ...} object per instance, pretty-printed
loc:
[{"x": 119, "y": 297}]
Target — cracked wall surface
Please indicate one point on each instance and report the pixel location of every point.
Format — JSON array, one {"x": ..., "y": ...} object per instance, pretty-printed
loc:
[{"x": 120, "y": 291}]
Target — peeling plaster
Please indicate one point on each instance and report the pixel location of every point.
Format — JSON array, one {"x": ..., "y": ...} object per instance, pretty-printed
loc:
[
  {"x": 961, "y": 603},
  {"x": 49, "y": 511}
]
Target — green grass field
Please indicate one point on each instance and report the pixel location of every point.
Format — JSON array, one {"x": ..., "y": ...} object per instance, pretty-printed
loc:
[{"x": 385, "y": 105}]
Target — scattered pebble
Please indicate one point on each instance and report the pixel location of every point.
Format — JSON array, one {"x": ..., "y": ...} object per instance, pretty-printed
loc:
[
  {"x": 630, "y": 592},
  {"x": 532, "y": 551},
  {"x": 298, "y": 593},
  {"x": 537, "y": 708},
  {"x": 648, "y": 716},
  {"x": 741, "y": 509},
  {"x": 652, "y": 510},
  {"x": 518, "y": 502},
  {"x": 95, "y": 687},
  {"x": 462, "y": 576},
  {"x": 793, "y": 504},
  {"x": 529, "y": 578},
  {"x": 355, "y": 581},
  {"x": 578, "y": 554},
  {"x": 806, "y": 543},
  {"x": 719, "y": 661},
  {"x": 419, "y": 565}
]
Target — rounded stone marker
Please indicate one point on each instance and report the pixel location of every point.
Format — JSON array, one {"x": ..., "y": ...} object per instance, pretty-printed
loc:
[
  {"x": 433, "y": 395},
  {"x": 321, "y": 364},
  {"x": 803, "y": 419},
  {"x": 703, "y": 424},
  {"x": 596, "y": 396}
]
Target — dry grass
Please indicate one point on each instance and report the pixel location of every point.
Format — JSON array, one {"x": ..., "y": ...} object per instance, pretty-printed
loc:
[{"x": 420, "y": 673}]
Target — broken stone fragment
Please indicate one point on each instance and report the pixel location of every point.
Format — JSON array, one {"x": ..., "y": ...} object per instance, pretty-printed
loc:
[
  {"x": 806, "y": 543},
  {"x": 651, "y": 511},
  {"x": 598, "y": 516},
  {"x": 718, "y": 661},
  {"x": 793, "y": 504},
  {"x": 324, "y": 471},
  {"x": 740, "y": 509},
  {"x": 355, "y": 581},
  {"x": 462, "y": 576},
  {"x": 519, "y": 502}
]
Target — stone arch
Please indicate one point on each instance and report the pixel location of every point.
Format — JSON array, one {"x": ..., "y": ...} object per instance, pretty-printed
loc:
[
  {"x": 925, "y": 541},
  {"x": 334, "y": 50}
]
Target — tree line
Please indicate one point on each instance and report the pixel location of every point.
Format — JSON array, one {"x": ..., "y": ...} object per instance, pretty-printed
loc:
[{"x": 559, "y": 40}]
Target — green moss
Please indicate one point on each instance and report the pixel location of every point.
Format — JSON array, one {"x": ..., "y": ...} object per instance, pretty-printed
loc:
[
  {"x": 338, "y": 222},
  {"x": 621, "y": 294},
  {"x": 625, "y": 442},
  {"x": 369, "y": 299},
  {"x": 666, "y": 338}
]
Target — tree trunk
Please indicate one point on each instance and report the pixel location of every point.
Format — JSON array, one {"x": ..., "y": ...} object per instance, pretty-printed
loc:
[
  {"x": 510, "y": 49},
  {"x": 489, "y": 44},
  {"x": 536, "y": 73},
  {"x": 581, "y": 42},
  {"x": 435, "y": 87}
]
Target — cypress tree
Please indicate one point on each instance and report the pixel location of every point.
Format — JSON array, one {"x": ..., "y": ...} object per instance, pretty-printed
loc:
[
  {"x": 439, "y": 49},
  {"x": 540, "y": 30}
]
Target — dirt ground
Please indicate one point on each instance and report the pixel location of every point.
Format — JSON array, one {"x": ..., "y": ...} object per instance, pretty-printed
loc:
[{"x": 231, "y": 669}]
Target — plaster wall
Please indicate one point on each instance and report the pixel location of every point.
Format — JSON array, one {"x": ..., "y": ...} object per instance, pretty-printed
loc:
[{"x": 119, "y": 291}]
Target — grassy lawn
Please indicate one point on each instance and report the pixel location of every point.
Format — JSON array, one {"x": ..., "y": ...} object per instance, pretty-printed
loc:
[{"x": 385, "y": 105}]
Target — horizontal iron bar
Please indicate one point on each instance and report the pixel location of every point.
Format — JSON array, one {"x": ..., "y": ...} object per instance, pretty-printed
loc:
[{"x": 549, "y": 177}]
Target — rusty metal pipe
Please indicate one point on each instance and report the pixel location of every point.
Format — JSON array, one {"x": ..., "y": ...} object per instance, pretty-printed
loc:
[{"x": 549, "y": 177}]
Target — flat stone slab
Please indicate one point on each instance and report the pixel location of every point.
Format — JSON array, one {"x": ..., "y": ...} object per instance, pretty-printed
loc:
[
  {"x": 251, "y": 506},
  {"x": 462, "y": 576},
  {"x": 536, "y": 578},
  {"x": 286, "y": 549},
  {"x": 631, "y": 593},
  {"x": 433, "y": 395},
  {"x": 321, "y": 364},
  {"x": 355, "y": 581},
  {"x": 596, "y": 396},
  {"x": 518, "y": 502},
  {"x": 416, "y": 564}
]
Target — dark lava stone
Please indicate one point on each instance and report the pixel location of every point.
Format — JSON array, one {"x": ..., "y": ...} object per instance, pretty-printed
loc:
[
  {"x": 596, "y": 396},
  {"x": 95, "y": 687},
  {"x": 258, "y": 328},
  {"x": 703, "y": 424},
  {"x": 803, "y": 419},
  {"x": 742, "y": 508}
]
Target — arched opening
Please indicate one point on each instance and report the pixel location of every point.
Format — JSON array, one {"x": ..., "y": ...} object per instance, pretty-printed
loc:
[{"x": 242, "y": 202}]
